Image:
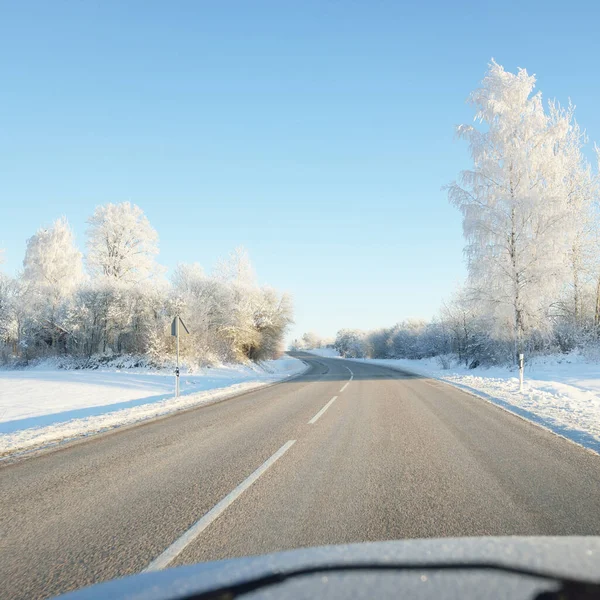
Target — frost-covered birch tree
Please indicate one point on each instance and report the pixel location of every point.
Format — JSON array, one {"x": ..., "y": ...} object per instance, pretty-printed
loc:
[{"x": 511, "y": 201}]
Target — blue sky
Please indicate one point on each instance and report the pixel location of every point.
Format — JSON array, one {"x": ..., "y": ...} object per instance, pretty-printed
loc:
[{"x": 316, "y": 134}]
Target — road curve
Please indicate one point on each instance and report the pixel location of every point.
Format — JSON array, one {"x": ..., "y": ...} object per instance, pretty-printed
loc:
[{"x": 347, "y": 452}]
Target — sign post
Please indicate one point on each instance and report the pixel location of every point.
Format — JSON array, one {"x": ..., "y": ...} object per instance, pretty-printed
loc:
[
  {"x": 521, "y": 368},
  {"x": 175, "y": 329}
]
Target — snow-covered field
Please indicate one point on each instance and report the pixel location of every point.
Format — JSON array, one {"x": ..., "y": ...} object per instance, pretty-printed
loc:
[
  {"x": 39, "y": 406},
  {"x": 561, "y": 392}
]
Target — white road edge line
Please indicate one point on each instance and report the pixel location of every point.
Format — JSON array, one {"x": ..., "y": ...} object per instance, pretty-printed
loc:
[
  {"x": 197, "y": 528},
  {"x": 318, "y": 415},
  {"x": 344, "y": 386}
]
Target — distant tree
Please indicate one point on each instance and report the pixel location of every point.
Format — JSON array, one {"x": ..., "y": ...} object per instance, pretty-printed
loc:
[
  {"x": 594, "y": 263},
  {"x": 233, "y": 319},
  {"x": 6, "y": 313},
  {"x": 52, "y": 261},
  {"x": 126, "y": 308},
  {"x": 272, "y": 318},
  {"x": 580, "y": 193},
  {"x": 352, "y": 343},
  {"x": 242, "y": 300},
  {"x": 120, "y": 303},
  {"x": 380, "y": 343},
  {"x": 236, "y": 268},
  {"x": 311, "y": 340},
  {"x": 205, "y": 304},
  {"x": 470, "y": 329},
  {"x": 188, "y": 278},
  {"x": 52, "y": 271},
  {"x": 20, "y": 310},
  {"x": 296, "y": 344}
]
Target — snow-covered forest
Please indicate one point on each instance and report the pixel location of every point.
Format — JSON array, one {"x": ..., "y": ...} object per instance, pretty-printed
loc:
[
  {"x": 116, "y": 300},
  {"x": 530, "y": 204}
]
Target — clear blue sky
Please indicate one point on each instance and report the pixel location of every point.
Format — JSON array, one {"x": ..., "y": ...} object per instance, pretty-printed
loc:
[{"x": 316, "y": 134}]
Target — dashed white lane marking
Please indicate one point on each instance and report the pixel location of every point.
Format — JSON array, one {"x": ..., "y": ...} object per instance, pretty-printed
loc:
[
  {"x": 349, "y": 380},
  {"x": 195, "y": 530},
  {"x": 318, "y": 415}
]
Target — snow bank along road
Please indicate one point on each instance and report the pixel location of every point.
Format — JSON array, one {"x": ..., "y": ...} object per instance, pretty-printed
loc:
[
  {"x": 346, "y": 452},
  {"x": 43, "y": 407}
]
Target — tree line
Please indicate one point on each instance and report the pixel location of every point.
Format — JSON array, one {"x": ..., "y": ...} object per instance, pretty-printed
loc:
[
  {"x": 116, "y": 300},
  {"x": 530, "y": 207}
]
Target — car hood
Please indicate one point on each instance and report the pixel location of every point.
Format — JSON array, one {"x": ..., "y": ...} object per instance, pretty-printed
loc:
[{"x": 567, "y": 557}]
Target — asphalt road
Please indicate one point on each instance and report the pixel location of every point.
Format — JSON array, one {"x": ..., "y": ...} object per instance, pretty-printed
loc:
[{"x": 393, "y": 456}]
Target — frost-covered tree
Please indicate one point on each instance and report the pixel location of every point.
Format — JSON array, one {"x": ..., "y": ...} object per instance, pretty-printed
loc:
[
  {"x": 236, "y": 268},
  {"x": 469, "y": 329},
  {"x": 52, "y": 261},
  {"x": 594, "y": 262},
  {"x": 6, "y": 313},
  {"x": 111, "y": 317},
  {"x": 311, "y": 340},
  {"x": 24, "y": 325},
  {"x": 124, "y": 308},
  {"x": 352, "y": 343},
  {"x": 122, "y": 245},
  {"x": 579, "y": 189},
  {"x": 231, "y": 318},
  {"x": 52, "y": 271},
  {"x": 512, "y": 202},
  {"x": 188, "y": 278},
  {"x": 204, "y": 304},
  {"x": 242, "y": 300},
  {"x": 122, "y": 249},
  {"x": 273, "y": 315}
]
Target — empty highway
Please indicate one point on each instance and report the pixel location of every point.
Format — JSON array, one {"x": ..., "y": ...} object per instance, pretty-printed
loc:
[{"x": 347, "y": 452}]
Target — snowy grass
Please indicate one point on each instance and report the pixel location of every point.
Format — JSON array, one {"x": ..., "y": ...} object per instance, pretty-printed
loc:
[
  {"x": 561, "y": 392},
  {"x": 39, "y": 406}
]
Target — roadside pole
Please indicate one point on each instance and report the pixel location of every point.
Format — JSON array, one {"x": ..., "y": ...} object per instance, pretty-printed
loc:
[
  {"x": 177, "y": 367},
  {"x": 175, "y": 329},
  {"x": 521, "y": 368}
]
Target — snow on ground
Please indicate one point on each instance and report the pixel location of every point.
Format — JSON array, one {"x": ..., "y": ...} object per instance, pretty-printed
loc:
[
  {"x": 40, "y": 406},
  {"x": 326, "y": 352},
  {"x": 561, "y": 393}
]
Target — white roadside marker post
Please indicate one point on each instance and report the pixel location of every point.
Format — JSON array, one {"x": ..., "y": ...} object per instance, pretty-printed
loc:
[
  {"x": 521, "y": 368},
  {"x": 175, "y": 333}
]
